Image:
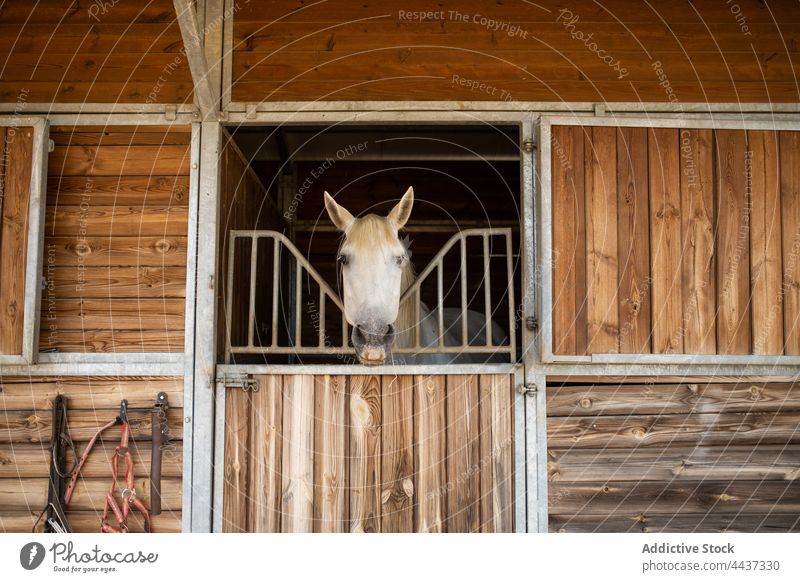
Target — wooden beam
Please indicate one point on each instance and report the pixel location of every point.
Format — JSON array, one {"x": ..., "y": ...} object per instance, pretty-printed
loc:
[{"x": 206, "y": 96}]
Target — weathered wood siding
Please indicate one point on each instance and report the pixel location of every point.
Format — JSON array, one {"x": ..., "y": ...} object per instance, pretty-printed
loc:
[
  {"x": 115, "y": 239},
  {"x": 370, "y": 453},
  {"x": 291, "y": 50},
  {"x": 64, "y": 51},
  {"x": 684, "y": 457},
  {"x": 16, "y": 165},
  {"x": 25, "y": 431},
  {"x": 675, "y": 241}
]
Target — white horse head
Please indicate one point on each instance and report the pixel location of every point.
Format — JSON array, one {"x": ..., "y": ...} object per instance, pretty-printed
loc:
[{"x": 375, "y": 267}]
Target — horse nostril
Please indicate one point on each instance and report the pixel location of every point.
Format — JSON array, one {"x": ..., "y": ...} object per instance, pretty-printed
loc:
[
  {"x": 389, "y": 337},
  {"x": 359, "y": 338}
]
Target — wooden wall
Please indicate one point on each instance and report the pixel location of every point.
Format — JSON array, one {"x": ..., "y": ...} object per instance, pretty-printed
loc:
[
  {"x": 115, "y": 239},
  {"x": 687, "y": 457},
  {"x": 67, "y": 51},
  {"x": 370, "y": 453},
  {"x": 675, "y": 241},
  {"x": 25, "y": 432},
  {"x": 291, "y": 50},
  {"x": 16, "y": 165}
]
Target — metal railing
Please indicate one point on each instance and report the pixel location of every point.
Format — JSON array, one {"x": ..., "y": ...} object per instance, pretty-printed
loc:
[{"x": 292, "y": 291}]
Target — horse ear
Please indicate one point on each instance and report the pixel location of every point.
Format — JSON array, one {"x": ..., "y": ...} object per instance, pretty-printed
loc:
[
  {"x": 400, "y": 213},
  {"x": 339, "y": 215}
]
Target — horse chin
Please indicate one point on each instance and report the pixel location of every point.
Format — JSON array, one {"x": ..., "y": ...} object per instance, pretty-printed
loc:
[{"x": 372, "y": 355}]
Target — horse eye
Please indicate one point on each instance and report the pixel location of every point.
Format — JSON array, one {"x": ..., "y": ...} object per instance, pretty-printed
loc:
[{"x": 343, "y": 259}]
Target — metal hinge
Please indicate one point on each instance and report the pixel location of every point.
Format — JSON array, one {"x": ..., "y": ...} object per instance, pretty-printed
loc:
[
  {"x": 240, "y": 380},
  {"x": 527, "y": 389},
  {"x": 528, "y": 146},
  {"x": 171, "y": 112},
  {"x": 531, "y": 323}
]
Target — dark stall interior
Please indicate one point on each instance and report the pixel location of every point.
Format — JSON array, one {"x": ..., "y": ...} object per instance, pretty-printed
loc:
[{"x": 464, "y": 177}]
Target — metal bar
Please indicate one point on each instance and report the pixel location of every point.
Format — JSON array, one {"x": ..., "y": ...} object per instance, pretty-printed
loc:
[
  {"x": 219, "y": 457},
  {"x": 321, "y": 318},
  {"x": 189, "y": 326},
  {"x": 229, "y": 296},
  {"x": 111, "y": 358},
  {"x": 521, "y": 107},
  {"x": 512, "y": 306},
  {"x": 681, "y": 122},
  {"x": 418, "y": 321},
  {"x": 276, "y": 268},
  {"x": 345, "y": 349},
  {"x": 544, "y": 253},
  {"x": 205, "y": 329},
  {"x": 541, "y": 457},
  {"x": 252, "y": 299},
  {"x": 298, "y": 290},
  {"x": 79, "y": 109},
  {"x": 35, "y": 243},
  {"x": 93, "y": 369},
  {"x": 440, "y": 302},
  {"x": 710, "y": 359},
  {"x": 520, "y": 472},
  {"x": 487, "y": 290},
  {"x": 423, "y": 226},
  {"x": 227, "y": 55},
  {"x": 464, "y": 322},
  {"x": 347, "y": 369}
]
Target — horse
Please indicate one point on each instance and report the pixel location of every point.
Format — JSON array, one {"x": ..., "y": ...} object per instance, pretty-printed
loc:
[{"x": 376, "y": 271}]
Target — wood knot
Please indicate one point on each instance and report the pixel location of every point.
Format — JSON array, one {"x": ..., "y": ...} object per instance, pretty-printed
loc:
[
  {"x": 755, "y": 392},
  {"x": 585, "y": 403},
  {"x": 408, "y": 487},
  {"x": 82, "y": 249},
  {"x": 639, "y": 432},
  {"x": 162, "y": 246}
]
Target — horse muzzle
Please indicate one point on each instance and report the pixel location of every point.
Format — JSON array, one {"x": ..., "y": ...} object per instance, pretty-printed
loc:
[{"x": 372, "y": 343}]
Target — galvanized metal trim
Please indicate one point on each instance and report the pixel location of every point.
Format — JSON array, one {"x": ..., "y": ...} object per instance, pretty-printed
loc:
[
  {"x": 218, "y": 493},
  {"x": 49, "y": 109},
  {"x": 600, "y": 371},
  {"x": 112, "y": 358},
  {"x": 227, "y": 55},
  {"x": 189, "y": 326},
  {"x": 112, "y": 119},
  {"x": 707, "y": 122},
  {"x": 205, "y": 329},
  {"x": 386, "y": 370},
  {"x": 520, "y": 471},
  {"x": 192, "y": 37},
  {"x": 126, "y": 369}
]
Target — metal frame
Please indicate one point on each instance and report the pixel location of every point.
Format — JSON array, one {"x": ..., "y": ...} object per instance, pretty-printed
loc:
[
  {"x": 280, "y": 242},
  {"x": 545, "y": 250},
  {"x": 35, "y": 237}
]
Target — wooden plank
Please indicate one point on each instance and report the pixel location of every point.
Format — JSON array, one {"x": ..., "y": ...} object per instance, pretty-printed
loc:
[
  {"x": 397, "y": 454},
  {"x": 87, "y": 393},
  {"x": 683, "y": 523},
  {"x": 429, "y": 449},
  {"x": 86, "y": 314},
  {"x": 790, "y": 218},
  {"x": 18, "y": 159},
  {"x": 94, "y": 92},
  {"x": 111, "y": 67},
  {"x": 19, "y": 521},
  {"x": 768, "y": 463},
  {"x": 117, "y": 221},
  {"x": 104, "y": 341},
  {"x": 102, "y": 160},
  {"x": 25, "y": 460},
  {"x": 487, "y": 481},
  {"x": 118, "y": 190},
  {"x": 331, "y": 455},
  {"x": 502, "y": 451},
  {"x": 264, "y": 485},
  {"x": 118, "y": 282},
  {"x": 665, "y": 239},
  {"x": 723, "y": 429},
  {"x": 27, "y": 426},
  {"x": 683, "y": 398},
  {"x": 745, "y": 497},
  {"x": 297, "y": 499},
  {"x": 237, "y": 461},
  {"x": 568, "y": 189},
  {"x": 89, "y": 493},
  {"x": 462, "y": 513},
  {"x": 699, "y": 280},
  {"x": 765, "y": 243},
  {"x": 161, "y": 37},
  {"x": 129, "y": 251},
  {"x": 733, "y": 243},
  {"x": 63, "y": 12},
  {"x": 365, "y": 453},
  {"x": 602, "y": 311},
  {"x": 633, "y": 229}
]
